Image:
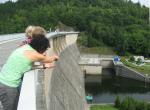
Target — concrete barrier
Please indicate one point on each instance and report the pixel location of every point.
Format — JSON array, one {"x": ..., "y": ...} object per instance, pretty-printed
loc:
[
  {"x": 124, "y": 71},
  {"x": 60, "y": 88}
]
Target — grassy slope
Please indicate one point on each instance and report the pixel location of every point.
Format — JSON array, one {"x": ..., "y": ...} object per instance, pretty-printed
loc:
[
  {"x": 103, "y": 107},
  {"x": 142, "y": 69}
]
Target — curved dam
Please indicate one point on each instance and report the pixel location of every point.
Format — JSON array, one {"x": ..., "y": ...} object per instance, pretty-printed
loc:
[
  {"x": 63, "y": 87},
  {"x": 59, "y": 88},
  {"x": 67, "y": 82}
]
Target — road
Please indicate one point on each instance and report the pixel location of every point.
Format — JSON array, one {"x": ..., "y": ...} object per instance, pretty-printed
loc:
[{"x": 7, "y": 48}]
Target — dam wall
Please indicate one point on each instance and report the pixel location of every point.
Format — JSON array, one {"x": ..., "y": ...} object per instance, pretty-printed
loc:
[
  {"x": 67, "y": 83},
  {"x": 64, "y": 85}
]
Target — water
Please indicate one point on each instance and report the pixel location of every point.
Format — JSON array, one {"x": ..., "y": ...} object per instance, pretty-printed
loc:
[{"x": 109, "y": 86}]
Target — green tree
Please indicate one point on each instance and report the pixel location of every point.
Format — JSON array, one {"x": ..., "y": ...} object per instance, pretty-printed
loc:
[
  {"x": 117, "y": 102},
  {"x": 132, "y": 59},
  {"x": 139, "y": 61}
]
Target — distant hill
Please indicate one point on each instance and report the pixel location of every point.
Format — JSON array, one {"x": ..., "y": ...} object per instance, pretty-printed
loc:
[{"x": 117, "y": 23}]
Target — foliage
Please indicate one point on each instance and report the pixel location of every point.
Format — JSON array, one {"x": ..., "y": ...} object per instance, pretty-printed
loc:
[
  {"x": 103, "y": 107},
  {"x": 128, "y": 103},
  {"x": 116, "y": 23},
  {"x": 131, "y": 104},
  {"x": 132, "y": 59},
  {"x": 117, "y": 102},
  {"x": 145, "y": 69},
  {"x": 139, "y": 61}
]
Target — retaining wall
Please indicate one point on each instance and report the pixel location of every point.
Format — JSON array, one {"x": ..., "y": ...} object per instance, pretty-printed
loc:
[{"x": 124, "y": 71}]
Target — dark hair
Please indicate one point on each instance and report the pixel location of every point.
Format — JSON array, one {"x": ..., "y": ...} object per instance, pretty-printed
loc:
[{"x": 40, "y": 43}]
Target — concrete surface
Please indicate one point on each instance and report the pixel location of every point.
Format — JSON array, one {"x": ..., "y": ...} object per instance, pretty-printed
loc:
[
  {"x": 124, "y": 71},
  {"x": 6, "y": 49},
  {"x": 67, "y": 83}
]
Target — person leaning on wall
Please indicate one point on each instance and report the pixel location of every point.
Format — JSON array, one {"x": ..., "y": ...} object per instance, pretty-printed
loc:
[
  {"x": 20, "y": 61},
  {"x": 32, "y": 30}
]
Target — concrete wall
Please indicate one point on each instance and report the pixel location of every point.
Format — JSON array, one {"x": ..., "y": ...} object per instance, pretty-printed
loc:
[
  {"x": 64, "y": 84},
  {"x": 127, "y": 72},
  {"x": 66, "y": 87},
  {"x": 107, "y": 63},
  {"x": 89, "y": 69}
]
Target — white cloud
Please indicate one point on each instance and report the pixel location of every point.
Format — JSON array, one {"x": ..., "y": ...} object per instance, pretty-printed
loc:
[
  {"x": 143, "y": 2},
  {"x": 3, "y": 1}
]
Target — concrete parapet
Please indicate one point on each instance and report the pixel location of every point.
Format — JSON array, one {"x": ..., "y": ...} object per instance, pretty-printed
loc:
[
  {"x": 60, "y": 88},
  {"x": 64, "y": 85},
  {"x": 61, "y": 40}
]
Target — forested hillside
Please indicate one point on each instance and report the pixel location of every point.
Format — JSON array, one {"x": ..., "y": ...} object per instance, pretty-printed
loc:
[{"x": 116, "y": 23}]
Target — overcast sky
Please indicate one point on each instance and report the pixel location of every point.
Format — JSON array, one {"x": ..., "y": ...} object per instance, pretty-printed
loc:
[
  {"x": 2, "y": 1},
  {"x": 143, "y": 2}
]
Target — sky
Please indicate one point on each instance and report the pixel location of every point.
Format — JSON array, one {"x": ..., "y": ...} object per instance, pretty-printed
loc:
[
  {"x": 2, "y": 1},
  {"x": 143, "y": 2}
]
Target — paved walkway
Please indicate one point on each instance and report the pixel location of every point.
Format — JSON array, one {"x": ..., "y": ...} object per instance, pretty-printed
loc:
[{"x": 6, "y": 49}]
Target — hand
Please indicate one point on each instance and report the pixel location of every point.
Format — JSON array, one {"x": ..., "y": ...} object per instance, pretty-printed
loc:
[
  {"x": 49, "y": 65},
  {"x": 44, "y": 53},
  {"x": 55, "y": 57}
]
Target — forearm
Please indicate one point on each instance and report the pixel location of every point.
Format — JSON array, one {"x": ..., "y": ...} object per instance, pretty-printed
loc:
[
  {"x": 47, "y": 59},
  {"x": 37, "y": 57},
  {"x": 43, "y": 66}
]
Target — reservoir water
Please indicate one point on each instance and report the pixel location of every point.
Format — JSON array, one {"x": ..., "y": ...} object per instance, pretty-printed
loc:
[{"x": 104, "y": 88}]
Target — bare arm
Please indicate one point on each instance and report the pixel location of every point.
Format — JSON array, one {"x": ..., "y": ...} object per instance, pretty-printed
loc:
[
  {"x": 35, "y": 56},
  {"x": 44, "y": 66}
]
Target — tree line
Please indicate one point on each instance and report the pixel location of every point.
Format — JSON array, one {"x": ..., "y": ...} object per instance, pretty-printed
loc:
[
  {"x": 129, "y": 103},
  {"x": 120, "y": 24}
]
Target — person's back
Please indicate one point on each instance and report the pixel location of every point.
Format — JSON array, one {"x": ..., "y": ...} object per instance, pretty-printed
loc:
[{"x": 15, "y": 66}]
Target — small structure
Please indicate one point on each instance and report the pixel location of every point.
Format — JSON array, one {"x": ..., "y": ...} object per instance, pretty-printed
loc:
[
  {"x": 147, "y": 61},
  {"x": 116, "y": 58},
  {"x": 139, "y": 57},
  {"x": 89, "y": 98},
  {"x": 90, "y": 65}
]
